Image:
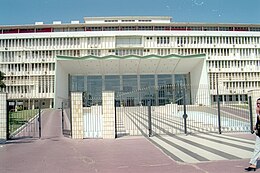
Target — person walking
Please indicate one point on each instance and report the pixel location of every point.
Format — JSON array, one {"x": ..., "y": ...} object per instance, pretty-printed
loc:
[{"x": 256, "y": 153}]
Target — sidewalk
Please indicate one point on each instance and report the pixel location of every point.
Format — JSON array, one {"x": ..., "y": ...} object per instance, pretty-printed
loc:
[{"x": 131, "y": 155}]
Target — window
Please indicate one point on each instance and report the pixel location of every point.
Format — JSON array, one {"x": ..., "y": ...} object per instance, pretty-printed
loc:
[
  {"x": 111, "y": 20},
  {"x": 163, "y": 40},
  {"x": 128, "y": 41},
  {"x": 127, "y": 20}
]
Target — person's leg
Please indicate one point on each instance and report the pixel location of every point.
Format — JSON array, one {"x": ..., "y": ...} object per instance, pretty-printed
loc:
[{"x": 256, "y": 153}]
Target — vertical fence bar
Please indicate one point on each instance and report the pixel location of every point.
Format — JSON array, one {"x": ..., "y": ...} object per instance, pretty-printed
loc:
[
  {"x": 185, "y": 111},
  {"x": 115, "y": 120},
  {"x": 219, "y": 119},
  {"x": 218, "y": 102},
  {"x": 69, "y": 116},
  {"x": 149, "y": 118},
  {"x": 40, "y": 122},
  {"x": 251, "y": 114},
  {"x": 62, "y": 116},
  {"x": 7, "y": 121}
]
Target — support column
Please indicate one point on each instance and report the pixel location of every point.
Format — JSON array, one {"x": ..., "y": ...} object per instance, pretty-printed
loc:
[
  {"x": 33, "y": 104},
  {"x": 108, "y": 106},
  {"x": 3, "y": 114},
  {"x": 50, "y": 104},
  {"x": 77, "y": 115}
]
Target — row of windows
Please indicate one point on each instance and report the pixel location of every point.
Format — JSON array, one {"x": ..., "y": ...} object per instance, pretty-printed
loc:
[
  {"x": 239, "y": 97},
  {"x": 242, "y": 85},
  {"x": 243, "y": 75},
  {"x": 28, "y": 43},
  {"x": 94, "y": 41},
  {"x": 235, "y": 76},
  {"x": 122, "y": 52},
  {"x": 218, "y": 40},
  {"x": 45, "y": 85},
  {"x": 24, "y": 56},
  {"x": 235, "y": 80},
  {"x": 122, "y": 28},
  {"x": 233, "y": 63},
  {"x": 163, "y": 40},
  {"x": 29, "y": 67},
  {"x": 125, "y": 83}
]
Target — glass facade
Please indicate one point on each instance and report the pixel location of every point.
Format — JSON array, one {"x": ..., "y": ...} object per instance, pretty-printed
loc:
[{"x": 132, "y": 89}]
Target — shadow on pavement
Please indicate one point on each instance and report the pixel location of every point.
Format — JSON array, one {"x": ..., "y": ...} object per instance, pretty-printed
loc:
[{"x": 21, "y": 140}]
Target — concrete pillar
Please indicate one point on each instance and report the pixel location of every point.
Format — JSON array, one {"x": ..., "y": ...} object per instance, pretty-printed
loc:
[
  {"x": 108, "y": 108},
  {"x": 255, "y": 94},
  {"x": 77, "y": 115},
  {"x": 3, "y": 114},
  {"x": 50, "y": 103},
  {"x": 33, "y": 104}
]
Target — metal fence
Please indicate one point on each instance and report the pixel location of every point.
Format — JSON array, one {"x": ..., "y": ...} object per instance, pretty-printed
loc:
[
  {"x": 92, "y": 116},
  {"x": 23, "y": 122},
  {"x": 66, "y": 118},
  {"x": 178, "y": 109}
]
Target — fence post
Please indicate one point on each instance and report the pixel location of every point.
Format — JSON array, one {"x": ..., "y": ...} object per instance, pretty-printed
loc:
[
  {"x": 115, "y": 120},
  {"x": 7, "y": 121},
  {"x": 62, "y": 116},
  {"x": 251, "y": 114},
  {"x": 185, "y": 111},
  {"x": 39, "y": 120},
  {"x": 3, "y": 118},
  {"x": 218, "y": 102},
  {"x": 108, "y": 109},
  {"x": 77, "y": 126},
  {"x": 149, "y": 118}
]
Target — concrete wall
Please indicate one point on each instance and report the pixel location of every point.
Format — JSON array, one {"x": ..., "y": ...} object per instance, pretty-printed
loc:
[
  {"x": 3, "y": 114},
  {"x": 199, "y": 82},
  {"x": 61, "y": 85}
]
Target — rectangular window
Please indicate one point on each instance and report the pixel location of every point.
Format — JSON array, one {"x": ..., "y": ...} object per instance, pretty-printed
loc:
[
  {"x": 112, "y": 83},
  {"x": 128, "y": 41}
]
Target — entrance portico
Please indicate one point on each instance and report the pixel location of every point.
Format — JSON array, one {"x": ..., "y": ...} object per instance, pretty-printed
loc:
[{"x": 194, "y": 66}]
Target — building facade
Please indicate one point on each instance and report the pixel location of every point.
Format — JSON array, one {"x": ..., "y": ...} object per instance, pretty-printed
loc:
[{"x": 32, "y": 56}]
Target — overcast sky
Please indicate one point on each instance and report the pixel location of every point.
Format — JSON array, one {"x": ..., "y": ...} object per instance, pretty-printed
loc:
[{"x": 14, "y": 12}]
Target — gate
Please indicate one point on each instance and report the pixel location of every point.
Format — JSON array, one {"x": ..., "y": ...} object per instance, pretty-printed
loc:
[
  {"x": 174, "y": 109},
  {"x": 23, "y": 122},
  {"x": 92, "y": 116},
  {"x": 66, "y": 118},
  {"x": 148, "y": 111}
]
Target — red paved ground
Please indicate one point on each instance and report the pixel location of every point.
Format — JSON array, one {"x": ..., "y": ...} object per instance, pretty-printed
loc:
[{"x": 54, "y": 153}]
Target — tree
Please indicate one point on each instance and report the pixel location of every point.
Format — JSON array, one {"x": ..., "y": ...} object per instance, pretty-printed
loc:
[{"x": 2, "y": 84}]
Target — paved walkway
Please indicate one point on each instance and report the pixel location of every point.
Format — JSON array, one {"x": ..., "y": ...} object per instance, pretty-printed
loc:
[
  {"x": 196, "y": 148},
  {"x": 54, "y": 153}
]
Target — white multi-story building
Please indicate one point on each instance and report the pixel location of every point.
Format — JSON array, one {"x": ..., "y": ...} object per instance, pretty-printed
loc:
[{"x": 31, "y": 54}]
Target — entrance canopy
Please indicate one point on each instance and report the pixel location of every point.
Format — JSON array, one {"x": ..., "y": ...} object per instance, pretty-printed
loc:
[
  {"x": 127, "y": 65},
  {"x": 114, "y": 65}
]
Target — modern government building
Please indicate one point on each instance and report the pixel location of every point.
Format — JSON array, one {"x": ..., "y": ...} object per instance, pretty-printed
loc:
[{"x": 126, "y": 54}]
